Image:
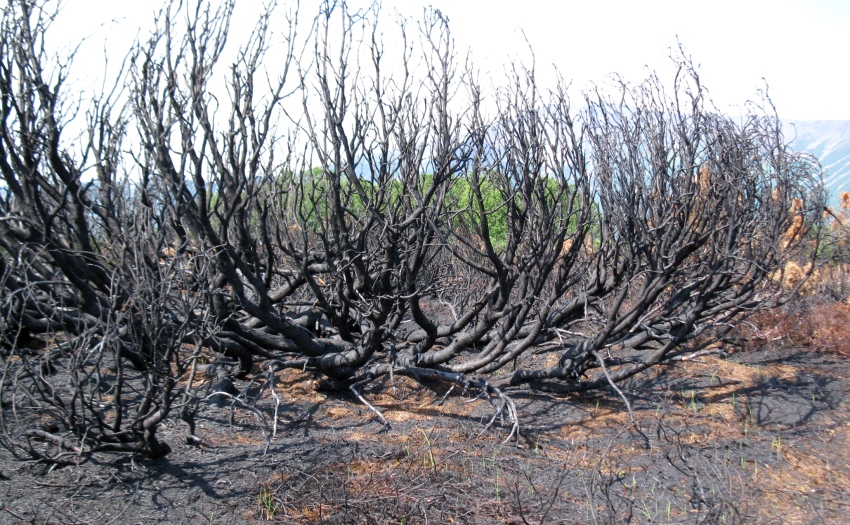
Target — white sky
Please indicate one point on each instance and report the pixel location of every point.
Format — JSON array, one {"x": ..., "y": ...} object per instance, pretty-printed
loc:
[{"x": 801, "y": 48}]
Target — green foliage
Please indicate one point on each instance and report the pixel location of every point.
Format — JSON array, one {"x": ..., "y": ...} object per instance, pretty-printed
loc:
[
  {"x": 503, "y": 201},
  {"x": 471, "y": 216}
]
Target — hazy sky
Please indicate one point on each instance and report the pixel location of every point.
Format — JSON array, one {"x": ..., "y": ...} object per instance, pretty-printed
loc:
[{"x": 801, "y": 48}]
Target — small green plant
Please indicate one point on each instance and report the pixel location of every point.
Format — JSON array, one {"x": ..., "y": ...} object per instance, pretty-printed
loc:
[
  {"x": 267, "y": 503},
  {"x": 694, "y": 405},
  {"x": 690, "y": 400},
  {"x": 645, "y": 510},
  {"x": 777, "y": 444},
  {"x": 498, "y": 495},
  {"x": 428, "y": 460},
  {"x": 497, "y": 480}
]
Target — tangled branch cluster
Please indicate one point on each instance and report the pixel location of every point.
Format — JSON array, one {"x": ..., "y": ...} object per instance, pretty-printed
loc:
[{"x": 357, "y": 219}]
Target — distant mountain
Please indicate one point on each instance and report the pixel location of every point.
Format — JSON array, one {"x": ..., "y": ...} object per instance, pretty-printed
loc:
[{"x": 829, "y": 141}]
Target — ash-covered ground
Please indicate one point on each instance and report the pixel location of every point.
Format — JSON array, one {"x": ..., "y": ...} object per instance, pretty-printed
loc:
[{"x": 756, "y": 437}]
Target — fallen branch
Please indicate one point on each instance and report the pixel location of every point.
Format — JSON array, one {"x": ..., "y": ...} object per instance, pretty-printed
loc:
[{"x": 363, "y": 400}]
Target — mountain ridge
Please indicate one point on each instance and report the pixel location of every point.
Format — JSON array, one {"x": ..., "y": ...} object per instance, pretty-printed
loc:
[{"x": 829, "y": 141}]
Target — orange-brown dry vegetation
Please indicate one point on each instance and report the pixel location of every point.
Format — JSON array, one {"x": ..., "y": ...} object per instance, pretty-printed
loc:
[{"x": 823, "y": 326}]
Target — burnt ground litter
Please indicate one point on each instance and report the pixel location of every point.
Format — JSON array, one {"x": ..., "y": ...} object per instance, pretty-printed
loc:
[{"x": 753, "y": 437}]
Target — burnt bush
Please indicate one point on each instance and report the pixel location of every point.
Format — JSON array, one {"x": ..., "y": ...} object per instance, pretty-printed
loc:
[{"x": 358, "y": 213}]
